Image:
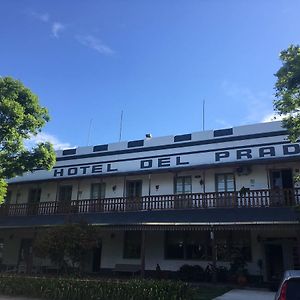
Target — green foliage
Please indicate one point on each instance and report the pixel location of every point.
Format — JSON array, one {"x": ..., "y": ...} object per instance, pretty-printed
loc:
[
  {"x": 238, "y": 265},
  {"x": 287, "y": 88},
  {"x": 21, "y": 116},
  {"x": 76, "y": 289},
  {"x": 70, "y": 242},
  {"x": 3, "y": 189}
]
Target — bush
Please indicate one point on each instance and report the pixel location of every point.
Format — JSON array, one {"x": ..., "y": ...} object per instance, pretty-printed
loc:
[
  {"x": 76, "y": 289},
  {"x": 191, "y": 273}
]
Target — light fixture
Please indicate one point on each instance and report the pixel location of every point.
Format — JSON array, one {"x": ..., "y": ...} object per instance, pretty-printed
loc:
[
  {"x": 157, "y": 187},
  {"x": 114, "y": 187}
]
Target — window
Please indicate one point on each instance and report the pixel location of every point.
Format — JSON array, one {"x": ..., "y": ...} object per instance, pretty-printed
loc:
[
  {"x": 65, "y": 193},
  {"x": 98, "y": 190},
  {"x": 197, "y": 245},
  {"x": 34, "y": 195},
  {"x": 225, "y": 182},
  {"x": 132, "y": 244},
  {"x": 188, "y": 245},
  {"x": 174, "y": 246},
  {"x": 183, "y": 185},
  {"x": 230, "y": 242}
]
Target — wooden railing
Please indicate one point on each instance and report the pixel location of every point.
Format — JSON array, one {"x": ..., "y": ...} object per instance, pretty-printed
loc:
[{"x": 248, "y": 199}]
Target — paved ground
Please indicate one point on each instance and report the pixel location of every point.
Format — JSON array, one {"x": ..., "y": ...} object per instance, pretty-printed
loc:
[{"x": 246, "y": 295}]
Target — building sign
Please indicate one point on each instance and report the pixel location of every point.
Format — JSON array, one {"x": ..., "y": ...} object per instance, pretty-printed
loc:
[{"x": 191, "y": 158}]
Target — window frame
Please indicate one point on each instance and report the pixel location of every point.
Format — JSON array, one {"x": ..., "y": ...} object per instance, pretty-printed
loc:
[
  {"x": 217, "y": 175},
  {"x": 101, "y": 188},
  {"x": 183, "y": 184},
  {"x": 125, "y": 243}
]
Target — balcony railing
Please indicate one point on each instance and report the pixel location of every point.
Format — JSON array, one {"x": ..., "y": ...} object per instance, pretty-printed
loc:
[{"x": 248, "y": 199}]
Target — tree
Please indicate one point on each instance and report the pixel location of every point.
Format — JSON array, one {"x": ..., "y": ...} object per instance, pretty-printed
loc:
[
  {"x": 287, "y": 102},
  {"x": 21, "y": 116},
  {"x": 66, "y": 243}
]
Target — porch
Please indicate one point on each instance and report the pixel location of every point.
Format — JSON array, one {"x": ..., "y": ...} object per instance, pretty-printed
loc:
[{"x": 263, "y": 198}]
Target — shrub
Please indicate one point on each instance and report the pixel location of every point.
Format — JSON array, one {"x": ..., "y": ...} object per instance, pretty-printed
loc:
[
  {"x": 191, "y": 273},
  {"x": 76, "y": 289}
]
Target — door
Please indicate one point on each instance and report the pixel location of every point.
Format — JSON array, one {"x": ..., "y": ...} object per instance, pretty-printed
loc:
[
  {"x": 97, "y": 251},
  {"x": 183, "y": 189},
  {"x": 64, "y": 198},
  {"x": 97, "y": 196},
  {"x": 25, "y": 260},
  {"x": 133, "y": 194},
  {"x": 34, "y": 197},
  {"x": 225, "y": 188},
  {"x": 282, "y": 187},
  {"x": 274, "y": 262}
]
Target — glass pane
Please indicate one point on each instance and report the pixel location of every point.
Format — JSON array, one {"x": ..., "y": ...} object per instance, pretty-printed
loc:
[
  {"x": 97, "y": 190},
  {"x": 174, "y": 246},
  {"x": 65, "y": 193},
  {"x": 179, "y": 188},
  {"x": 197, "y": 245},
  {"x": 132, "y": 244},
  {"x": 220, "y": 183}
]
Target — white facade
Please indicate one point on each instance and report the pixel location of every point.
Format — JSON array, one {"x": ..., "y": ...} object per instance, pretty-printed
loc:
[{"x": 247, "y": 167}]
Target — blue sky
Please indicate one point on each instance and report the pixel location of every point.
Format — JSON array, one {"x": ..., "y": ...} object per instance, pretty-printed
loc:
[{"x": 155, "y": 60}]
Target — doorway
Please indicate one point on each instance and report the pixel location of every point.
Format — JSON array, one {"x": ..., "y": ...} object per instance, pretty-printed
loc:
[
  {"x": 282, "y": 187},
  {"x": 274, "y": 261},
  {"x": 34, "y": 197},
  {"x": 97, "y": 252},
  {"x": 25, "y": 260},
  {"x": 64, "y": 198},
  {"x": 133, "y": 194}
]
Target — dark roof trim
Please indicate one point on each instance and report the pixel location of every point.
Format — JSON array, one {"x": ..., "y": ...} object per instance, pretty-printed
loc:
[
  {"x": 222, "y": 132},
  {"x": 137, "y": 143},
  {"x": 179, "y": 145},
  {"x": 183, "y": 137},
  {"x": 69, "y": 151},
  {"x": 172, "y": 154},
  {"x": 100, "y": 148}
]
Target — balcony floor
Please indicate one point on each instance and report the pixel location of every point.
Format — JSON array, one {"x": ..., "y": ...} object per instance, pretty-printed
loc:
[{"x": 164, "y": 218}]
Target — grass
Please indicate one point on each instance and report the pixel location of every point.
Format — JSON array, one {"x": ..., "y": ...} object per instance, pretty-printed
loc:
[{"x": 208, "y": 293}]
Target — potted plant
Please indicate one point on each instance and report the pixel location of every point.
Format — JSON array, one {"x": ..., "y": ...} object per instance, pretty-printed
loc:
[{"x": 238, "y": 267}]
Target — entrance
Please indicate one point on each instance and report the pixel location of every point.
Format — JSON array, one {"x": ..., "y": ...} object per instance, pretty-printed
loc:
[
  {"x": 25, "y": 256},
  {"x": 64, "y": 198},
  {"x": 97, "y": 251},
  {"x": 274, "y": 262},
  {"x": 34, "y": 198},
  {"x": 133, "y": 194},
  {"x": 282, "y": 187}
]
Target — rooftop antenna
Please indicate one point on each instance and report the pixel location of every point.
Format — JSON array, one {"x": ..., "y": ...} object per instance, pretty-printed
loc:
[
  {"x": 121, "y": 125},
  {"x": 89, "y": 132},
  {"x": 203, "y": 115}
]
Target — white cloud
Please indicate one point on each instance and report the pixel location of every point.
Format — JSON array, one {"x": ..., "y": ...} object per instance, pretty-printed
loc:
[
  {"x": 272, "y": 117},
  {"x": 253, "y": 106},
  {"x": 56, "y": 28},
  {"x": 44, "y": 17},
  {"x": 95, "y": 44},
  {"x": 43, "y": 137}
]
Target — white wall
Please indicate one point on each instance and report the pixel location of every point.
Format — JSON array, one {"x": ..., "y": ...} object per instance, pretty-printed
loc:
[{"x": 160, "y": 184}]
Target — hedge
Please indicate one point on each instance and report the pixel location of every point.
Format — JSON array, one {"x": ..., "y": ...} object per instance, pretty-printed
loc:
[{"x": 84, "y": 289}]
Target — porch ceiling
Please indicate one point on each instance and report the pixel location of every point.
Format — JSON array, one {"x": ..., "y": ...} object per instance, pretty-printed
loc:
[{"x": 164, "y": 219}]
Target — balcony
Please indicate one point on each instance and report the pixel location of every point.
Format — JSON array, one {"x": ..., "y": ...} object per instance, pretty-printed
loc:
[{"x": 249, "y": 199}]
